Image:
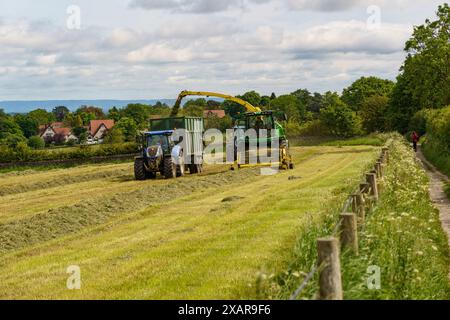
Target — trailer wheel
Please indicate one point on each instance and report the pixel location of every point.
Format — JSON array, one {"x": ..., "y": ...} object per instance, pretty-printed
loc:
[
  {"x": 139, "y": 170},
  {"x": 170, "y": 168}
]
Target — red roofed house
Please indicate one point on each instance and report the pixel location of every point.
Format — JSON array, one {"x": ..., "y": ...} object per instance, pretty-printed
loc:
[
  {"x": 214, "y": 113},
  {"x": 55, "y": 132},
  {"x": 99, "y": 128}
]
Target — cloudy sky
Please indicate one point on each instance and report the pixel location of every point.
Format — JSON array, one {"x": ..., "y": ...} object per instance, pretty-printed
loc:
[{"x": 142, "y": 49}]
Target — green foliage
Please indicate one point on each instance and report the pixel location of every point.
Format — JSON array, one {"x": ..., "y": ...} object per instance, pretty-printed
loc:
[
  {"x": 366, "y": 87},
  {"x": 114, "y": 136},
  {"x": 128, "y": 127},
  {"x": 88, "y": 113},
  {"x": 23, "y": 153},
  {"x": 8, "y": 127},
  {"x": 28, "y": 125},
  {"x": 36, "y": 142},
  {"x": 42, "y": 116},
  {"x": 425, "y": 78},
  {"x": 310, "y": 102},
  {"x": 403, "y": 236},
  {"x": 252, "y": 97},
  {"x": 437, "y": 144},
  {"x": 60, "y": 113},
  {"x": 340, "y": 120},
  {"x": 140, "y": 113},
  {"x": 192, "y": 109},
  {"x": 214, "y": 122},
  {"x": 373, "y": 113},
  {"x": 290, "y": 105},
  {"x": 232, "y": 108}
]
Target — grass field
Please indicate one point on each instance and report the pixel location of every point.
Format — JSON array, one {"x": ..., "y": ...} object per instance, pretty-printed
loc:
[{"x": 206, "y": 236}]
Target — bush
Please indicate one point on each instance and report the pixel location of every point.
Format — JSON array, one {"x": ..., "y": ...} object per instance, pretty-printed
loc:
[
  {"x": 36, "y": 142},
  {"x": 23, "y": 153},
  {"x": 437, "y": 144},
  {"x": 338, "y": 118}
]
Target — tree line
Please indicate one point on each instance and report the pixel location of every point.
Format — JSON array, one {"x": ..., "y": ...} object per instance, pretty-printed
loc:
[{"x": 370, "y": 104}]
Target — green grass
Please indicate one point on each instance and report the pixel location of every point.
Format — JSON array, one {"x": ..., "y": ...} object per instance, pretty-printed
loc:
[
  {"x": 173, "y": 239},
  {"x": 403, "y": 236},
  {"x": 362, "y": 141},
  {"x": 439, "y": 157}
]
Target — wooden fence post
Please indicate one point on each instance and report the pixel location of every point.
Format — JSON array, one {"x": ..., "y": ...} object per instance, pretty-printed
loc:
[
  {"x": 380, "y": 169},
  {"x": 386, "y": 154},
  {"x": 364, "y": 187},
  {"x": 349, "y": 232},
  {"x": 372, "y": 181},
  {"x": 358, "y": 207},
  {"x": 330, "y": 281}
]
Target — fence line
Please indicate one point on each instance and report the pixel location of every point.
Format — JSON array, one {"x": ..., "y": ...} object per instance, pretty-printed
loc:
[{"x": 345, "y": 233}]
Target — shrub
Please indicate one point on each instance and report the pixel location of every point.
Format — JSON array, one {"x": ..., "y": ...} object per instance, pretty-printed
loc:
[{"x": 36, "y": 142}]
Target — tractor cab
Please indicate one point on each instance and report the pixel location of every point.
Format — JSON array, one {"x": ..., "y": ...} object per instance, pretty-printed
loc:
[{"x": 155, "y": 139}]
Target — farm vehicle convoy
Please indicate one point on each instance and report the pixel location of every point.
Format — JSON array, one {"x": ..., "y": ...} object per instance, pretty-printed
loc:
[{"x": 175, "y": 144}]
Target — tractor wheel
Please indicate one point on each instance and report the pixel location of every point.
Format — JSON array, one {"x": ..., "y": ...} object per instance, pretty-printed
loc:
[
  {"x": 170, "y": 169},
  {"x": 139, "y": 170},
  {"x": 193, "y": 169}
]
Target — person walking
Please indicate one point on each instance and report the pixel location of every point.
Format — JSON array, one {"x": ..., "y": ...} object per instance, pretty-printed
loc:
[{"x": 415, "y": 139}]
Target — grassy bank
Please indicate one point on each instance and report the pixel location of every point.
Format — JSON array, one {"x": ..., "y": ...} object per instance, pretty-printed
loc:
[{"x": 403, "y": 237}]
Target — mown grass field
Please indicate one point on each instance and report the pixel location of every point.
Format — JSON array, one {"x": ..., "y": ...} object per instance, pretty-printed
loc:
[{"x": 206, "y": 236}]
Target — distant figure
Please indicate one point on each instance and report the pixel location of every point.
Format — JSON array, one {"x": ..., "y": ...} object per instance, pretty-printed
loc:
[{"x": 415, "y": 140}]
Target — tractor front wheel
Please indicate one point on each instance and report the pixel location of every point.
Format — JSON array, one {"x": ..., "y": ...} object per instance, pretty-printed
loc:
[
  {"x": 139, "y": 170},
  {"x": 170, "y": 168}
]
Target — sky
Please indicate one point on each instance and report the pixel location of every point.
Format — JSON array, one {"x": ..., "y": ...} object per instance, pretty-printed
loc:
[{"x": 145, "y": 49}]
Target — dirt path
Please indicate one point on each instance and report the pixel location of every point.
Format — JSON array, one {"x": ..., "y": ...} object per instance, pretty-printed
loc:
[{"x": 437, "y": 180}]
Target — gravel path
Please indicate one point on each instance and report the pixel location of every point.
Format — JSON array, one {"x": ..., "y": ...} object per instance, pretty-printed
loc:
[{"x": 437, "y": 194}]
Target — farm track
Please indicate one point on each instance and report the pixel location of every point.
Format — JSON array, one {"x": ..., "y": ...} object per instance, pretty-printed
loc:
[{"x": 170, "y": 234}]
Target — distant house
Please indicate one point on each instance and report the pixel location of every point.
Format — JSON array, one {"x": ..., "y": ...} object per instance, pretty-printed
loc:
[
  {"x": 56, "y": 132},
  {"x": 99, "y": 128},
  {"x": 214, "y": 113}
]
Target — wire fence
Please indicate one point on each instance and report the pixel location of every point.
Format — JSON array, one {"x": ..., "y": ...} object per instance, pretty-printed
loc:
[{"x": 366, "y": 192}]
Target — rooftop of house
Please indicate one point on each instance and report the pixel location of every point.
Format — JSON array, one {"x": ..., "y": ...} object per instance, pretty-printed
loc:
[
  {"x": 94, "y": 125},
  {"x": 217, "y": 113}
]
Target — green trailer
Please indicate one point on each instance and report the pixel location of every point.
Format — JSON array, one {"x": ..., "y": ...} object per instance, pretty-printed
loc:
[
  {"x": 171, "y": 147},
  {"x": 191, "y": 129}
]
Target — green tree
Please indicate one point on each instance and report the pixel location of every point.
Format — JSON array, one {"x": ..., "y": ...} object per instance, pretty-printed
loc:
[
  {"x": 114, "y": 114},
  {"x": 129, "y": 128},
  {"x": 29, "y": 126},
  {"x": 193, "y": 110},
  {"x": 60, "y": 112},
  {"x": 290, "y": 105},
  {"x": 339, "y": 119},
  {"x": 424, "y": 80},
  {"x": 115, "y": 135},
  {"x": 42, "y": 116},
  {"x": 36, "y": 142},
  {"x": 364, "y": 88},
  {"x": 373, "y": 113},
  {"x": 9, "y": 127},
  {"x": 252, "y": 97},
  {"x": 140, "y": 113},
  {"x": 233, "y": 109}
]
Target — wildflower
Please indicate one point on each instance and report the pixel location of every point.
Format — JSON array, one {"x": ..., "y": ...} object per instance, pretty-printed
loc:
[
  {"x": 434, "y": 248},
  {"x": 419, "y": 253}
]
